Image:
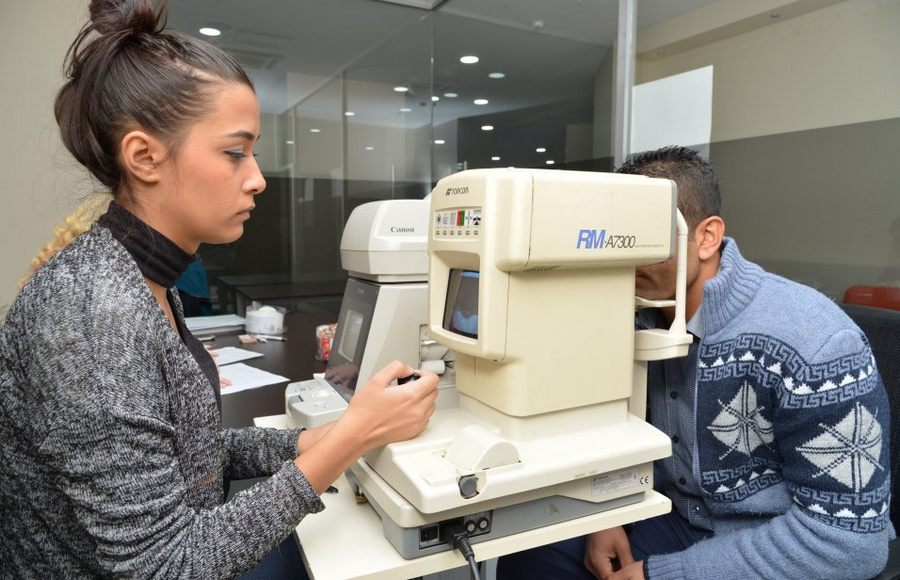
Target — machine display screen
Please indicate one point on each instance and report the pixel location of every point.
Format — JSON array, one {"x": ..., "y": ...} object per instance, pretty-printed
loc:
[
  {"x": 352, "y": 322},
  {"x": 351, "y": 335},
  {"x": 461, "y": 307}
]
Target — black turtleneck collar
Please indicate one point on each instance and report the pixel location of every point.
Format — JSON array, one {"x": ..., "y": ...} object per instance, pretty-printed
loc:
[
  {"x": 158, "y": 257},
  {"x": 161, "y": 260}
]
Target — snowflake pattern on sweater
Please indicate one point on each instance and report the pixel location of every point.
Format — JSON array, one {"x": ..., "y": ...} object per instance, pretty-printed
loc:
[
  {"x": 830, "y": 430},
  {"x": 791, "y": 433}
]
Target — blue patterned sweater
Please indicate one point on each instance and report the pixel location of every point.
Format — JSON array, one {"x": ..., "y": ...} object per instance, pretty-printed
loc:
[{"x": 792, "y": 435}]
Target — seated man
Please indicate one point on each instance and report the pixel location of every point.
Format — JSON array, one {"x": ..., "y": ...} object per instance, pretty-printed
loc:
[{"x": 778, "y": 417}]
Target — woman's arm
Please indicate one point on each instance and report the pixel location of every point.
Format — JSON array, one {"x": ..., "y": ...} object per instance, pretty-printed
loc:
[{"x": 255, "y": 451}]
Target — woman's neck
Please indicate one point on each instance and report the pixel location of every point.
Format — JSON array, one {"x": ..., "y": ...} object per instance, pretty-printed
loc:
[{"x": 156, "y": 220}]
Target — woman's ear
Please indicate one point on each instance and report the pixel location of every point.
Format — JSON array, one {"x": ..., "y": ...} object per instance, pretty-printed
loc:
[
  {"x": 709, "y": 234},
  {"x": 142, "y": 156}
]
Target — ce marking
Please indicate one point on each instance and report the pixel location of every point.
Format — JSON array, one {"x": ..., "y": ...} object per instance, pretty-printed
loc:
[{"x": 645, "y": 480}]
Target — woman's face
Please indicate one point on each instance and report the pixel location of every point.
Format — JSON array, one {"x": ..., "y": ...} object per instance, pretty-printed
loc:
[{"x": 213, "y": 177}]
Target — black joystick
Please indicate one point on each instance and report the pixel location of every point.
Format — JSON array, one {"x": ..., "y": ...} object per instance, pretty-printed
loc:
[{"x": 412, "y": 377}]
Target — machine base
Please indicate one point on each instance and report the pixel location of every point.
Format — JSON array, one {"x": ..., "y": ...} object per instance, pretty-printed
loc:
[{"x": 489, "y": 522}]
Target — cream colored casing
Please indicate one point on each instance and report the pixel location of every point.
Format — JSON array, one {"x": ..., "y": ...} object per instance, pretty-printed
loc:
[
  {"x": 555, "y": 315},
  {"x": 385, "y": 241},
  {"x": 545, "y": 388}
]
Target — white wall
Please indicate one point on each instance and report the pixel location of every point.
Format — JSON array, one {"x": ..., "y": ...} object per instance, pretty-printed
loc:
[
  {"x": 41, "y": 182},
  {"x": 833, "y": 66},
  {"x": 804, "y": 120}
]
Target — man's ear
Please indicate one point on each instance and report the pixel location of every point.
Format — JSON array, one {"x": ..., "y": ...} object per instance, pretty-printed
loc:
[
  {"x": 142, "y": 155},
  {"x": 709, "y": 234}
]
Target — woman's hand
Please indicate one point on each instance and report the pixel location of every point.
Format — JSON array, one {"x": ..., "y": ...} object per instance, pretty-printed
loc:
[
  {"x": 378, "y": 414},
  {"x": 385, "y": 413}
]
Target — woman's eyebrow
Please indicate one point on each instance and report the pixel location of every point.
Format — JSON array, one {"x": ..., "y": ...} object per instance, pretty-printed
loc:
[{"x": 243, "y": 135}]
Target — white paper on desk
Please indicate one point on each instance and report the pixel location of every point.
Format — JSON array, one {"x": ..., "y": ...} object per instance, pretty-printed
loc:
[
  {"x": 206, "y": 323},
  {"x": 245, "y": 377},
  {"x": 233, "y": 354}
]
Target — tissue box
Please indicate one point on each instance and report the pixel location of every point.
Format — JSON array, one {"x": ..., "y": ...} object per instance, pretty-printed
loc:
[{"x": 324, "y": 338}]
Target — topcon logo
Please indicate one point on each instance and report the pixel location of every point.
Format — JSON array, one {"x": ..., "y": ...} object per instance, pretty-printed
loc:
[{"x": 457, "y": 190}]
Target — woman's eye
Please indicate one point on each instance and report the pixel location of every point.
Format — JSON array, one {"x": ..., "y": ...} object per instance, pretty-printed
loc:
[{"x": 240, "y": 154}]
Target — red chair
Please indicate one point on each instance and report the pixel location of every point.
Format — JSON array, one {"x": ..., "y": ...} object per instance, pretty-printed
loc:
[{"x": 878, "y": 296}]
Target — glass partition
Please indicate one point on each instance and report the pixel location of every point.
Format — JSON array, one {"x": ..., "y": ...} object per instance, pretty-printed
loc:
[
  {"x": 531, "y": 100},
  {"x": 388, "y": 115},
  {"x": 316, "y": 175},
  {"x": 366, "y": 100}
]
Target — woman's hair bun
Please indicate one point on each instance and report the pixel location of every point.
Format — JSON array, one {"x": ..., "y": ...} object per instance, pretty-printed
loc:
[
  {"x": 112, "y": 16},
  {"x": 124, "y": 70}
]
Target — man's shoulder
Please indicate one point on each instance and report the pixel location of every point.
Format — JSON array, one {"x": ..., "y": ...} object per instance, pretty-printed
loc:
[
  {"x": 803, "y": 306},
  {"x": 788, "y": 316}
]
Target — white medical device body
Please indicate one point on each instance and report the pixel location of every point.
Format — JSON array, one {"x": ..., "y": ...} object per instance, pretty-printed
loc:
[
  {"x": 383, "y": 314},
  {"x": 531, "y": 283}
]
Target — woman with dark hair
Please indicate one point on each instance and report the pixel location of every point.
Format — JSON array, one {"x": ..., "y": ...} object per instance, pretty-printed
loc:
[{"x": 114, "y": 458}]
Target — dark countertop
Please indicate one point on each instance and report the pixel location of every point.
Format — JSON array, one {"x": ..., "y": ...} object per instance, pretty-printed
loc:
[
  {"x": 294, "y": 358},
  {"x": 291, "y": 290},
  {"x": 268, "y": 286}
]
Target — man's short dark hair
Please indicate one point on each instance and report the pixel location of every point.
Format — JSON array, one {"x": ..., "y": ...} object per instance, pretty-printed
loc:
[{"x": 697, "y": 180}]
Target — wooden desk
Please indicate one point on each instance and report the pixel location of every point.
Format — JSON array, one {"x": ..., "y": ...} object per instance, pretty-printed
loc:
[{"x": 294, "y": 359}]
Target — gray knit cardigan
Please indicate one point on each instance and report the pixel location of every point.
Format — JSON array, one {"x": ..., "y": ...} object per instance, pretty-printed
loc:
[{"x": 113, "y": 455}]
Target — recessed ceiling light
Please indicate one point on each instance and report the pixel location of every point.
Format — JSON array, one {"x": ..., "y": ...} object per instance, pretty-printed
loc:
[
  {"x": 210, "y": 31},
  {"x": 401, "y": 89},
  {"x": 405, "y": 110},
  {"x": 349, "y": 113},
  {"x": 289, "y": 142},
  {"x": 495, "y": 158},
  {"x": 470, "y": 59},
  {"x": 439, "y": 141},
  {"x": 369, "y": 148},
  {"x": 435, "y": 98},
  {"x": 314, "y": 130},
  {"x": 451, "y": 95},
  {"x": 497, "y": 75},
  {"x": 481, "y": 101},
  {"x": 541, "y": 149},
  {"x": 487, "y": 127},
  {"x": 549, "y": 162}
]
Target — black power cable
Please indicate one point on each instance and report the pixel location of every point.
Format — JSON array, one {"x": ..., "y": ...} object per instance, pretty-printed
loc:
[
  {"x": 456, "y": 536},
  {"x": 461, "y": 543}
]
